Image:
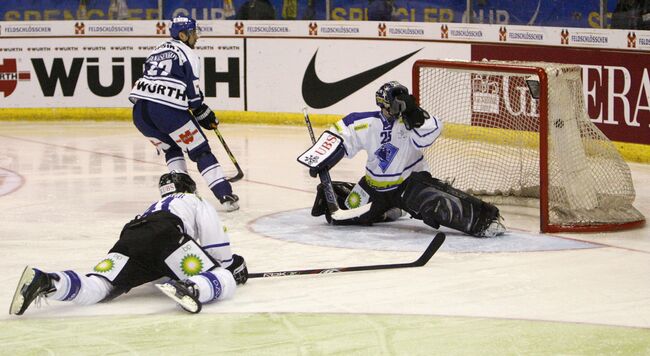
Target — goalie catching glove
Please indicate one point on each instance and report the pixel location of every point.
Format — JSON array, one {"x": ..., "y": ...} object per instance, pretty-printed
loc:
[
  {"x": 206, "y": 117},
  {"x": 412, "y": 114},
  {"x": 324, "y": 154}
]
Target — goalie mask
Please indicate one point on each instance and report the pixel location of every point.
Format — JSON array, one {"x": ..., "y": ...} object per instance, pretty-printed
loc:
[
  {"x": 176, "y": 182},
  {"x": 385, "y": 98}
]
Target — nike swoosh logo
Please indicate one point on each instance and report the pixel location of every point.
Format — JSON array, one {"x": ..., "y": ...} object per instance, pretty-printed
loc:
[{"x": 318, "y": 94}]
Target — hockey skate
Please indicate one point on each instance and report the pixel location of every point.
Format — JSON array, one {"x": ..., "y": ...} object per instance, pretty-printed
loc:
[
  {"x": 185, "y": 293},
  {"x": 229, "y": 202},
  {"x": 33, "y": 285},
  {"x": 496, "y": 228},
  {"x": 238, "y": 269},
  {"x": 393, "y": 214}
]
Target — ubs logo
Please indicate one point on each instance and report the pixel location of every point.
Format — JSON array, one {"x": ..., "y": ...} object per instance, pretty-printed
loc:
[
  {"x": 10, "y": 76},
  {"x": 313, "y": 29}
]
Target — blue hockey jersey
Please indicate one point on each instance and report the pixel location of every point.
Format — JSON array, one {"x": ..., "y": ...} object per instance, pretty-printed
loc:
[{"x": 171, "y": 77}]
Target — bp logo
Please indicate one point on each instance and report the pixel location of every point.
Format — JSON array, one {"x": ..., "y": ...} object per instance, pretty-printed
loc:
[
  {"x": 191, "y": 265},
  {"x": 9, "y": 76},
  {"x": 354, "y": 200},
  {"x": 105, "y": 266}
]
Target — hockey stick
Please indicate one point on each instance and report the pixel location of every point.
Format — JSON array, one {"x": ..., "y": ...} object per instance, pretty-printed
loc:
[
  {"x": 309, "y": 128},
  {"x": 240, "y": 173},
  {"x": 326, "y": 180},
  {"x": 426, "y": 256},
  {"x": 324, "y": 176}
]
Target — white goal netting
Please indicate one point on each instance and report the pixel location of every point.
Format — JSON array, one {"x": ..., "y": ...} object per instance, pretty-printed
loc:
[{"x": 502, "y": 142}]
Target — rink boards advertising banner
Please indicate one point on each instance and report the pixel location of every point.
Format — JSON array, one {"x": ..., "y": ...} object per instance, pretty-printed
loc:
[
  {"x": 76, "y": 66},
  {"x": 584, "y": 14},
  {"x": 616, "y": 85},
  {"x": 67, "y": 72},
  {"x": 276, "y": 66}
]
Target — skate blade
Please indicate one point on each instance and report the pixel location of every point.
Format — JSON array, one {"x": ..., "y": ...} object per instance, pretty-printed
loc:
[
  {"x": 231, "y": 206},
  {"x": 495, "y": 229},
  {"x": 186, "y": 302},
  {"x": 17, "y": 302}
]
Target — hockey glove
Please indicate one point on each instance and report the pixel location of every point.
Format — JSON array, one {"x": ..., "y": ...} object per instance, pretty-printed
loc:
[
  {"x": 238, "y": 269},
  {"x": 205, "y": 117},
  {"x": 328, "y": 163},
  {"x": 324, "y": 154},
  {"x": 413, "y": 115}
]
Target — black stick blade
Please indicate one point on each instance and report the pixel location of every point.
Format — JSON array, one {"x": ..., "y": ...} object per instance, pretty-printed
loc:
[
  {"x": 240, "y": 173},
  {"x": 431, "y": 250},
  {"x": 433, "y": 247},
  {"x": 237, "y": 177}
]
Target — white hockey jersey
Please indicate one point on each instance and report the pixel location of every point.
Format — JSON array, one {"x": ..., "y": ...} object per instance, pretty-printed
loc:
[
  {"x": 200, "y": 221},
  {"x": 393, "y": 151},
  {"x": 171, "y": 77}
]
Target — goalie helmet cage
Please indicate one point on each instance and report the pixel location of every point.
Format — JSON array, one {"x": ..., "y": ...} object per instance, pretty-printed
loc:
[{"x": 518, "y": 132}]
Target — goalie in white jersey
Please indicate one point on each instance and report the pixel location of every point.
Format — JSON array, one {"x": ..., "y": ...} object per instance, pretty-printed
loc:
[
  {"x": 179, "y": 237},
  {"x": 397, "y": 176},
  {"x": 163, "y": 98}
]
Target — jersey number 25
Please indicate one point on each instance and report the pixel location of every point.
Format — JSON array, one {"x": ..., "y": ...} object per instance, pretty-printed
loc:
[{"x": 385, "y": 136}]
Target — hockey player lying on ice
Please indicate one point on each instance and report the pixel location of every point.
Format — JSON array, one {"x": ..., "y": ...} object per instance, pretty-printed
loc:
[
  {"x": 179, "y": 237},
  {"x": 397, "y": 176}
]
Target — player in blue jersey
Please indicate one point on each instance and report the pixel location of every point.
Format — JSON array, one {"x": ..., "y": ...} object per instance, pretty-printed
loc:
[
  {"x": 169, "y": 108},
  {"x": 397, "y": 176},
  {"x": 180, "y": 237}
]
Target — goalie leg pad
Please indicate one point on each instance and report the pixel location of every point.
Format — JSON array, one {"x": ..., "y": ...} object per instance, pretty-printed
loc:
[{"x": 438, "y": 203}]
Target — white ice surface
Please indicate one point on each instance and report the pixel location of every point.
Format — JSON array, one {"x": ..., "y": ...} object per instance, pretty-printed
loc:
[{"x": 76, "y": 184}]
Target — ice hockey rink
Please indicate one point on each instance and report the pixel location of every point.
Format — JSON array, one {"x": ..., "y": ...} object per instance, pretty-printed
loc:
[{"x": 67, "y": 188}]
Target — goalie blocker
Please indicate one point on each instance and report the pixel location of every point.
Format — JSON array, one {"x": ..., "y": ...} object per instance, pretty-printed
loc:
[
  {"x": 425, "y": 198},
  {"x": 323, "y": 154}
]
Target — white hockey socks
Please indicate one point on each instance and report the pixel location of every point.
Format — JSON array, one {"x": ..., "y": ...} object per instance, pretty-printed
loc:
[
  {"x": 177, "y": 164},
  {"x": 80, "y": 289},
  {"x": 217, "y": 284}
]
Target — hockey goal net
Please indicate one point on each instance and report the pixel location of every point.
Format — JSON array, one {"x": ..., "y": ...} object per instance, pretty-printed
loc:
[{"x": 518, "y": 132}]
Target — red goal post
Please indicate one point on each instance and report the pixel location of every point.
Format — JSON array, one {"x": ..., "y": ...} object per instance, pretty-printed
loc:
[{"x": 518, "y": 133}]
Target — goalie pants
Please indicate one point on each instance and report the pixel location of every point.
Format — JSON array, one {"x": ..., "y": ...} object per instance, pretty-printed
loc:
[{"x": 381, "y": 202}]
